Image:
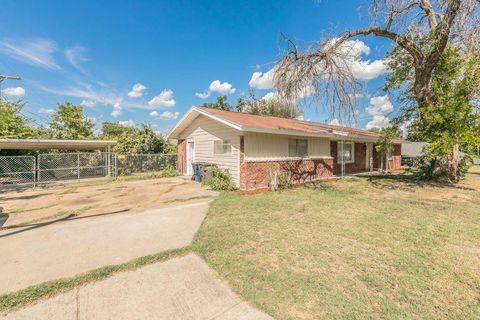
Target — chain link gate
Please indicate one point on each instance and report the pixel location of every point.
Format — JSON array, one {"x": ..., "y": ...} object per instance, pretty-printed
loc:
[
  {"x": 74, "y": 166},
  {"x": 17, "y": 171}
]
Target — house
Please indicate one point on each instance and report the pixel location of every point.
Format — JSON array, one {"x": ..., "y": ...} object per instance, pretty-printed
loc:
[{"x": 253, "y": 147}]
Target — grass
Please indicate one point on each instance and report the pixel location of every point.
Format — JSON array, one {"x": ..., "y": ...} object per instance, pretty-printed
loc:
[
  {"x": 18, "y": 299},
  {"x": 384, "y": 247}
]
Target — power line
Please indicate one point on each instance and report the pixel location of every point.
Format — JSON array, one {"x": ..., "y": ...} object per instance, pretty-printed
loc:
[{"x": 6, "y": 77}]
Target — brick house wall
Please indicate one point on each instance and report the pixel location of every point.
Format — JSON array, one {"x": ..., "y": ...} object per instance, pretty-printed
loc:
[
  {"x": 360, "y": 157},
  {"x": 182, "y": 157},
  {"x": 255, "y": 175}
]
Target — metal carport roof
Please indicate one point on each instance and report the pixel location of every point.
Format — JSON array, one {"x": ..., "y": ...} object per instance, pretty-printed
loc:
[{"x": 37, "y": 144}]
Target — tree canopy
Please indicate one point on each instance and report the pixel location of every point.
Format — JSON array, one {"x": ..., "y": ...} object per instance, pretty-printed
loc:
[
  {"x": 143, "y": 140},
  {"x": 267, "y": 107},
  {"x": 69, "y": 122},
  {"x": 13, "y": 125},
  {"x": 221, "y": 103}
]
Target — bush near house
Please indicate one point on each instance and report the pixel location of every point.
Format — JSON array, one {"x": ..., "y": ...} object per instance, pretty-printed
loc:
[{"x": 220, "y": 180}]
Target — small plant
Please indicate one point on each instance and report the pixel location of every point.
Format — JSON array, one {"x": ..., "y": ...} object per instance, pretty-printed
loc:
[
  {"x": 220, "y": 180},
  {"x": 168, "y": 172},
  {"x": 278, "y": 180}
]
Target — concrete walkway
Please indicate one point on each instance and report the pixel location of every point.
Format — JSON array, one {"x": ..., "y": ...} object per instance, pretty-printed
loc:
[
  {"x": 181, "y": 288},
  {"x": 60, "y": 249}
]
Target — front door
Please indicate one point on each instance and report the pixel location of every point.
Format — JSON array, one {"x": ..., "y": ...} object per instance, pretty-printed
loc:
[{"x": 190, "y": 157}]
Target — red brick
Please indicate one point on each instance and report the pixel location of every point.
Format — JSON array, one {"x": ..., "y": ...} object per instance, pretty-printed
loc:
[{"x": 182, "y": 157}]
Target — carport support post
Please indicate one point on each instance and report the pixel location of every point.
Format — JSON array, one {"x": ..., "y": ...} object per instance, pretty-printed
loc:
[{"x": 108, "y": 161}]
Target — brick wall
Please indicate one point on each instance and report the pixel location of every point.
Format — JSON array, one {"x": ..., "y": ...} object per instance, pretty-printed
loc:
[
  {"x": 360, "y": 157},
  {"x": 255, "y": 175},
  {"x": 395, "y": 162},
  {"x": 182, "y": 157}
]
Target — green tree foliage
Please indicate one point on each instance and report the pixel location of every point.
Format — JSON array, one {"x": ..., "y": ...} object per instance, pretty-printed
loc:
[
  {"x": 267, "y": 107},
  {"x": 221, "y": 103},
  {"x": 130, "y": 140},
  {"x": 13, "y": 125},
  {"x": 385, "y": 144},
  {"x": 452, "y": 123},
  {"x": 69, "y": 122}
]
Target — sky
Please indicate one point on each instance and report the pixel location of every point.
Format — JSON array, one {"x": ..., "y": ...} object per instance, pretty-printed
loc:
[{"x": 134, "y": 62}]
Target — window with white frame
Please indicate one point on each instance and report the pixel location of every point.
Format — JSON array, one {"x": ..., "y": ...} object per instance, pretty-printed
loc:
[
  {"x": 297, "y": 147},
  {"x": 348, "y": 152},
  {"x": 222, "y": 147}
]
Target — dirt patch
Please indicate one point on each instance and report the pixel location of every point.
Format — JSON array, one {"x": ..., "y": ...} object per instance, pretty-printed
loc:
[{"x": 99, "y": 198}]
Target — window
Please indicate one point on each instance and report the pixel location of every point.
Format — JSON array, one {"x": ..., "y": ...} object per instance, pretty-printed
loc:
[
  {"x": 222, "y": 147},
  {"x": 297, "y": 148},
  {"x": 348, "y": 152}
]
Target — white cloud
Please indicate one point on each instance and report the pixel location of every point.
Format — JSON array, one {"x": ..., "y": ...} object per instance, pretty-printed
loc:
[
  {"x": 38, "y": 51},
  {"x": 261, "y": 80},
  {"x": 352, "y": 52},
  {"x": 203, "y": 95},
  {"x": 380, "y": 105},
  {"x": 47, "y": 111},
  {"x": 218, "y": 87},
  {"x": 127, "y": 123},
  {"x": 164, "y": 99},
  {"x": 76, "y": 56},
  {"x": 117, "y": 110},
  {"x": 270, "y": 95},
  {"x": 379, "y": 108},
  {"x": 221, "y": 87},
  {"x": 88, "y": 103},
  {"x": 166, "y": 115},
  {"x": 16, "y": 91},
  {"x": 378, "y": 122},
  {"x": 137, "y": 90}
]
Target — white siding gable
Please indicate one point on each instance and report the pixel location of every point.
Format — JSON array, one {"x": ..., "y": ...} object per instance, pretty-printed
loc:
[{"x": 203, "y": 131}]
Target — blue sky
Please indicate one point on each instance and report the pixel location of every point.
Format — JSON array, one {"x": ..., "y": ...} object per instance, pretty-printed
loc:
[{"x": 95, "y": 52}]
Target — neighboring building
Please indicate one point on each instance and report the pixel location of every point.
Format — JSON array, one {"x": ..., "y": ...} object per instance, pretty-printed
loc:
[
  {"x": 413, "y": 149},
  {"x": 251, "y": 147}
]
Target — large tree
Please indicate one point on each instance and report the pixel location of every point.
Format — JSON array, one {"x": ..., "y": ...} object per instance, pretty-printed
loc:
[
  {"x": 221, "y": 103},
  {"x": 267, "y": 106},
  {"x": 422, "y": 29},
  {"x": 69, "y": 122},
  {"x": 132, "y": 140},
  {"x": 13, "y": 125}
]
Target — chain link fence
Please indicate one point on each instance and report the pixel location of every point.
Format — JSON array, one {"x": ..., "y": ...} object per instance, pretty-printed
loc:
[
  {"x": 53, "y": 167},
  {"x": 70, "y": 166},
  {"x": 17, "y": 171},
  {"x": 141, "y": 163}
]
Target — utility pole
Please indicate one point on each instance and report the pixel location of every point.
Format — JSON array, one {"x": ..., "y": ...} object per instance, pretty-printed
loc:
[{"x": 5, "y": 77}]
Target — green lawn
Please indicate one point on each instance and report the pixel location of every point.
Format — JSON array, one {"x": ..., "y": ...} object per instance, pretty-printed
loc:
[{"x": 385, "y": 247}]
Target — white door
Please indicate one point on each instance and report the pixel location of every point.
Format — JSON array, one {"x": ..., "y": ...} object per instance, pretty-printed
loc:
[{"x": 190, "y": 157}]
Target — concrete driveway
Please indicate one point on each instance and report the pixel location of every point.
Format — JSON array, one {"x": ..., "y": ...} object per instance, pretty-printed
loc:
[
  {"x": 65, "y": 248},
  {"x": 181, "y": 288}
]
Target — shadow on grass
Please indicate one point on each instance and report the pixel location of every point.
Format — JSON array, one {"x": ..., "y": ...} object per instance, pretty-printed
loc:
[{"x": 408, "y": 181}]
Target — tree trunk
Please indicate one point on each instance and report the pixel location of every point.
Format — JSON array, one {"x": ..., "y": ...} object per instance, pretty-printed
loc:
[{"x": 453, "y": 162}]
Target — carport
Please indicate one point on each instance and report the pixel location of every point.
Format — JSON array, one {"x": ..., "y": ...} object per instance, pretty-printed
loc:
[{"x": 20, "y": 170}]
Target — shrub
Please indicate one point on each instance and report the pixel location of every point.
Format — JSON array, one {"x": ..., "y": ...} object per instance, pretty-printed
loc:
[
  {"x": 220, "y": 179},
  {"x": 168, "y": 172},
  {"x": 278, "y": 180}
]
